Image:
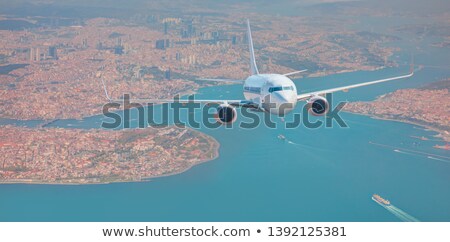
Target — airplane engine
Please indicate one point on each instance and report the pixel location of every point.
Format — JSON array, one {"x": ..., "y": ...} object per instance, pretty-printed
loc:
[
  {"x": 318, "y": 106},
  {"x": 226, "y": 114}
]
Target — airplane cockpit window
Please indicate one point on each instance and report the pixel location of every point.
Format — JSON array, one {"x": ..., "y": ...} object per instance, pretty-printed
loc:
[
  {"x": 252, "y": 89},
  {"x": 288, "y": 88},
  {"x": 275, "y": 89}
]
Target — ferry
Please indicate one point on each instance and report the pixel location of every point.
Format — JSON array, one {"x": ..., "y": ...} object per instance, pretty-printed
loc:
[
  {"x": 281, "y": 137},
  {"x": 380, "y": 200}
]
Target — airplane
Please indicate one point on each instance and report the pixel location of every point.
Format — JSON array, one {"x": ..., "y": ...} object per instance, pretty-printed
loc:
[{"x": 258, "y": 88}]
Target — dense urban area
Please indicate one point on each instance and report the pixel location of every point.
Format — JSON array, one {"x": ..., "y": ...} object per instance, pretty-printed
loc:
[
  {"x": 428, "y": 106},
  {"x": 99, "y": 156},
  {"x": 55, "y": 71}
]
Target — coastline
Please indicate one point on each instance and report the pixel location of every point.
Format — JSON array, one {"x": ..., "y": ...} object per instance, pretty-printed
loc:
[
  {"x": 181, "y": 94},
  {"x": 216, "y": 155},
  {"x": 215, "y": 145},
  {"x": 214, "y": 149},
  {"x": 440, "y": 132}
]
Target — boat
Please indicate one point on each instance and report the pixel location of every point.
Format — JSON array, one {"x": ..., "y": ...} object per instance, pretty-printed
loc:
[
  {"x": 377, "y": 198},
  {"x": 281, "y": 137}
]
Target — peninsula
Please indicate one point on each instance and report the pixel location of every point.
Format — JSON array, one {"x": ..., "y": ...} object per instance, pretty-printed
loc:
[
  {"x": 428, "y": 106},
  {"x": 75, "y": 156}
]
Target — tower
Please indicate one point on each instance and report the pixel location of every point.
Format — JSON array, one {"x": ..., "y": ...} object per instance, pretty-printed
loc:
[
  {"x": 52, "y": 52},
  {"x": 166, "y": 28},
  {"x": 38, "y": 54},
  {"x": 32, "y": 54},
  {"x": 167, "y": 74}
]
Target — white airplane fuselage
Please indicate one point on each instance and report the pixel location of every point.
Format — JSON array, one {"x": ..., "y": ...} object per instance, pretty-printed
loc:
[{"x": 278, "y": 89}]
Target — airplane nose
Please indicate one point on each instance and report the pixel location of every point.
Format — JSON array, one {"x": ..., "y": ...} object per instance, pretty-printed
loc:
[
  {"x": 284, "y": 102},
  {"x": 281, "y": 97}
]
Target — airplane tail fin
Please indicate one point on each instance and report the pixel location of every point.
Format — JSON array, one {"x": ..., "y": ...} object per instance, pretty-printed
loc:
[{"x": 253, "y": 67}]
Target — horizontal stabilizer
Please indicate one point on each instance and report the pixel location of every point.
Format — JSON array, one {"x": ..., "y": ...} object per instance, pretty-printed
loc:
[
  {"x": 221, "y": 80},
  {"x": 294, "y": 72}
]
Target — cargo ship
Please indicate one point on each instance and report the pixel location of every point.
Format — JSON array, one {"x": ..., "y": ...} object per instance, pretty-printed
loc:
[{"x": 380, "y": 200}]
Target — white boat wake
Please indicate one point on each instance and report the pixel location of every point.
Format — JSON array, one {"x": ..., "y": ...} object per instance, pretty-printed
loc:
[
  {"x": 445, "y": 159},
  {"x": 301, "y": 145},
  {"x": 397, "y": 212},
  {"x": 435, "y": 158},
  {"x": 402, "y": 215}
]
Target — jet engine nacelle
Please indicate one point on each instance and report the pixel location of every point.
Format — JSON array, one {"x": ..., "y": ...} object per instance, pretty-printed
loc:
[
  {"x": 226, "y": 114},
  {"x": 318, "y": 106}
]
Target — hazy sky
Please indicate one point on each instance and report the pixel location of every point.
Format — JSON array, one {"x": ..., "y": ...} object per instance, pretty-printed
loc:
[{"x": 420, "y": 7}]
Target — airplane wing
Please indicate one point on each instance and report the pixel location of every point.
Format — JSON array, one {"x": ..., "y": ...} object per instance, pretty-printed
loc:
[
  {"x": 237, "y": 103},
  {"x": 294, "y": 72},
  {"x": 305, "y": 96},
  {"x": 221, "y": 80}
]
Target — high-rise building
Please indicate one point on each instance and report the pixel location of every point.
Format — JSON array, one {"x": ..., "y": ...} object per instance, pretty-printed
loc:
[
  {"x": 234, "y": 39},
  {"x": 160, "y": 44},
  {"x": 85, "y": 43},
  {"x": 178, "y": 56},
  {"x": 168, "y": 43},
  {"x": 32, "y": 54},
  {"x": 38, "y": 54},
  {"x": 166, "y": 27},
  {"x": 207, "y": 35},
  {"x": 190, "y": 29},
  {"x": 118, "y": 50},
  {"x": 138, "y": 72},
  {"x": 52, "y": 52},
  {"x": 167, "y": 74},
  {"x": 215, "y": 36},
  {"x": 192, "y": 60}
]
